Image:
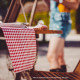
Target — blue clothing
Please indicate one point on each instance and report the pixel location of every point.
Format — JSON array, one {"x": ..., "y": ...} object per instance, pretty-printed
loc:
[{"x": 59, "y": 20}]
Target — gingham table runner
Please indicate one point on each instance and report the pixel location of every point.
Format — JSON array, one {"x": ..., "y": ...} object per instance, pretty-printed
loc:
[{"x": 21, "y": 44}]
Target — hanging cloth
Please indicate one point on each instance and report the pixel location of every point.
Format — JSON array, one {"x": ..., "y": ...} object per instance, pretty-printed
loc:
[{"x": 21, "y": 43}]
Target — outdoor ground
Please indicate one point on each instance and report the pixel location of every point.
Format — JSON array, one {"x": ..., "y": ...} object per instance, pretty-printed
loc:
[{"x": 72, "y": 56}]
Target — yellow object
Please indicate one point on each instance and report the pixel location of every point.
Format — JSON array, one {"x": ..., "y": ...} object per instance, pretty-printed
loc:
[{"x": 62, "y": 8}]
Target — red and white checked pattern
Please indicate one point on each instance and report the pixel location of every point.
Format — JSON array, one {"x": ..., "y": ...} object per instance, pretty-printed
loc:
[{"x": 21, "y": 44}]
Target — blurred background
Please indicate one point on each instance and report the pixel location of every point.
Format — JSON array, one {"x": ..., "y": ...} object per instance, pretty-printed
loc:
[
  {"x": 42, "y": 11},
  {"x": 72, "y": 44}
]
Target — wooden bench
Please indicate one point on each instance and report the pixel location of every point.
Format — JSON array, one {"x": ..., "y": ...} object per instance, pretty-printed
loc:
[{"x": 46, "y": 75}]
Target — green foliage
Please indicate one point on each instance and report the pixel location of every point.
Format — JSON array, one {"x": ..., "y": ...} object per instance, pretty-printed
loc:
[
  {"x": 45, "y": 17},
  {"x": 22, "y": 19},
  {"x": 38, "y": 16},
  {"x": 41, "y": 16},
  {"x": 73, "y": 17}
]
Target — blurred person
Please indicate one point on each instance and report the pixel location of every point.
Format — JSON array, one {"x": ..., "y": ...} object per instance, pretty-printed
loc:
[{"x": 59, "y": 20}]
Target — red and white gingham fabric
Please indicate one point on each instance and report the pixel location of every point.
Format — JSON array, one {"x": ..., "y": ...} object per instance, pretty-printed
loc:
[{"x": 21, "y": 43}]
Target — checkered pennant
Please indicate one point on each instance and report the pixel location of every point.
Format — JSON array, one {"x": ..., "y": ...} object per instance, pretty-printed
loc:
[{"x": 21, "y": 43}]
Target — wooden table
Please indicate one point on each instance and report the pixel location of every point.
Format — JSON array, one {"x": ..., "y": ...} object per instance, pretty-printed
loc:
[{"x": 37, "y": 31}]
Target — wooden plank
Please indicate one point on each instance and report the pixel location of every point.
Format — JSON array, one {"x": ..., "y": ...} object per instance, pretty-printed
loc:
[
  {"x": 77, "y": 69},
  {"x": 46, "y": 75},
  {"x": 48, "y": 31},
  {"x": 49, "y": 75},
  {"x": 13, "y": 11},
  {"x": 33, "y": 12},
  {"x": 56, "y": 75}
]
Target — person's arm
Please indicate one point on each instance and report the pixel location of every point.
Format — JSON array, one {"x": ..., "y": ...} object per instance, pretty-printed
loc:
[{"x": 72, "y": 4}]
